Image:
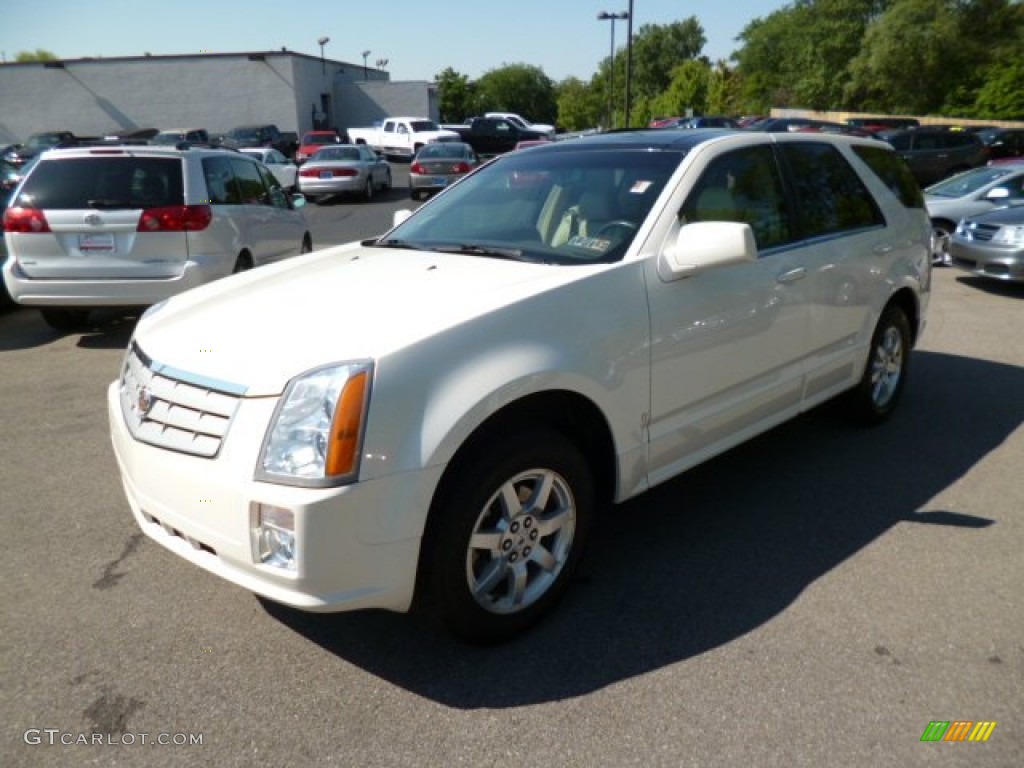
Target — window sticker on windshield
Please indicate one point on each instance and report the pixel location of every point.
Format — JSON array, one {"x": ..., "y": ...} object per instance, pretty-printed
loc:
[
  {"x": 599, "y": 244},
  {"x": 639, "y": 187}
]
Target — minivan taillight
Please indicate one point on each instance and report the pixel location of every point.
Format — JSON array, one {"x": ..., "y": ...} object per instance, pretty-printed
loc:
[
  {"x": 176, "y": 218},
  {"x": 25, "y": 220}
]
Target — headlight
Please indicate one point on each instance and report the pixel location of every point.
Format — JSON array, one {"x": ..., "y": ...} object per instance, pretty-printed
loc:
[
  {"x": 1009, "y": 236},
  {"x": 317, "y": 431}
]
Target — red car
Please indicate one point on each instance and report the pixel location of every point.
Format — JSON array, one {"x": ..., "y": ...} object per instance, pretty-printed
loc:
[{"x": 314, "y": 140}]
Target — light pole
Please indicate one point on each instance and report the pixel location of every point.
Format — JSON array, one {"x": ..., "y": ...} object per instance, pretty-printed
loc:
[
  {"x": 366, "y": 55},
  {"x": 322, "y": 42},
  {"x": 629, "y": 58},
  {"x": 381, "y": 63},
  {"x": 606, "y": 16}
]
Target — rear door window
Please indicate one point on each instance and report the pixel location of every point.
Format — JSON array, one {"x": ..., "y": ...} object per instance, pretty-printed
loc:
[
  {"x": 250, "y": 185},
  {"x": 831, "y": 197}
]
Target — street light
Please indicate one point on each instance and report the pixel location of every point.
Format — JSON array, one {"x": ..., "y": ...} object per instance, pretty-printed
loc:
[
  {"x": 606, "y": 16},
  {"x": 381, "y": 63},
  {"x": 322, "y": 42},
  {"x": 629, "y": 58},
  {"x": 366, "y": 55}
]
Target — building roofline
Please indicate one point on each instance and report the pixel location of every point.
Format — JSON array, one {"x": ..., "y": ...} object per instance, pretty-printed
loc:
[{"x": 251, "y": 55}]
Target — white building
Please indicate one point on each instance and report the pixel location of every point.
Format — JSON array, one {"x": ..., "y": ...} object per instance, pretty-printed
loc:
[{"x": 216, "y": 91}]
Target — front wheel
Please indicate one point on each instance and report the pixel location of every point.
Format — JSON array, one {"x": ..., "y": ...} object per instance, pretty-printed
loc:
[
  {"x": 507, "y": 533},
  {"x": 879, "y": 390},
  {"x": 942, "y": 231}
]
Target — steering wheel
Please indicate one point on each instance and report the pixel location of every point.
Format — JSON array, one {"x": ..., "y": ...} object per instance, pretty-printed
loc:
[{"x": 632, "y": 226}]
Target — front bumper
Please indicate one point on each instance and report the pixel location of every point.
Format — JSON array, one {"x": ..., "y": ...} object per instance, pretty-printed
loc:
[
  {"x": 1000, "y": 263},
  {"x": 356, "y": 545}
]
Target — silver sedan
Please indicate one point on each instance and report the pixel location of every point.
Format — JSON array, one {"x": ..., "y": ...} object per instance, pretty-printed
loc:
[
  {"x": 991, "y": 244},
  {"x": 344, "y": 169}
]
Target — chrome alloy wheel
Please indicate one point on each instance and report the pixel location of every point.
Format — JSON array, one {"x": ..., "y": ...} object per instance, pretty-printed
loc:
[
  {"x": 886, "y": 366},
  {"x": 520, "y": 542}
]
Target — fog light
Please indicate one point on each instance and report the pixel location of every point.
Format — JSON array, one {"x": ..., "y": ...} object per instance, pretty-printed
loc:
[{"x": 275, "y": 536}]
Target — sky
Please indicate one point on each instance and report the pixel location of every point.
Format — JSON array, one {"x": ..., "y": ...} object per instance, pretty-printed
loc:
[{"x": 419, "y": 38}]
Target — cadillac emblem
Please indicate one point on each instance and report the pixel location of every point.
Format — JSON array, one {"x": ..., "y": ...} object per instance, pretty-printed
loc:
[
  {"x": 144, "y": 401},
  {"x": 93, "y": 219}
]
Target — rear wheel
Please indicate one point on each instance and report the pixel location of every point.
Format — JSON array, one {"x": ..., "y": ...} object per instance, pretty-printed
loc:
[
  {"x": 368, "y": 189},
  {"x": 65, "y": 319},
  {"x": 307, "y": 244},
  {"x": 507, "y": 533},
  {"x": 242, "y": 264},
  {"x": 879, "y": 390}
]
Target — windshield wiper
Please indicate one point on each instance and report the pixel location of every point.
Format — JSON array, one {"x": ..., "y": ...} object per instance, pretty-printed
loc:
[
  {"x": 394, "y": 243},
  {"x": 513, "y": 254},
  {"x": 112, "y": 202}
]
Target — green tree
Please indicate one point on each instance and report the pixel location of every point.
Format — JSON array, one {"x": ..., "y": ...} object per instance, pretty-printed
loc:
[
  {"x": 912, "y": 57},
  {"x": 520, "y": 88},
  {"x": 657, "y": 51},
  {"x": 456, "y": 96},
  {"x": 39, "y": 54},
  {"x": 686, "y": 91},
  {"x": 580, "y": 106},
  {"x": 1002, "y": 95},
  {"x": 799, "y": 55}
]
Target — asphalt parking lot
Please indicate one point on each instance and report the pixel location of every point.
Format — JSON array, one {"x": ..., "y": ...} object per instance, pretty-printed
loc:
[{"x": 814, "y": 598}]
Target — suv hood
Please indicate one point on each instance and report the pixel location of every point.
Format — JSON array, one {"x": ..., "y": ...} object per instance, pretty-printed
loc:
[{"x": 260, "y": 329}]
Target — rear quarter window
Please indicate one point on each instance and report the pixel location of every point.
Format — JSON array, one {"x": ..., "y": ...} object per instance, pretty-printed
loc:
[{"x": 894, "y": 173}]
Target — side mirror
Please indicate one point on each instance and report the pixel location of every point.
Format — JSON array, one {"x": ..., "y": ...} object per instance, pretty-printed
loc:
[
  {"x": 298, "y": 200},
  {"x": 706, "y": 245},
  {"x": 999, "y": 193},
  {"x": 400, "y": 216}
]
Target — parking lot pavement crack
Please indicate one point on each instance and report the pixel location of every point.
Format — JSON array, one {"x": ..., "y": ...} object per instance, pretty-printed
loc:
[{"x": 110, "y": 575}]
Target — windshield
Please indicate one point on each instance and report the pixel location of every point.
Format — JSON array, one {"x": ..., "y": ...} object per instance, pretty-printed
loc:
[
  {"x": 319, "y": 138},
  {"x": 968, "y": 182},
  {"x": 335, "y": 154},
  {"x": 244, "y": 133},
  {"x": 560, "y": 207}
]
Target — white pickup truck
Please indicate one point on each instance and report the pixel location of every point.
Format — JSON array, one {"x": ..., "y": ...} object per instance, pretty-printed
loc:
[{"x": 401, "y": 136}]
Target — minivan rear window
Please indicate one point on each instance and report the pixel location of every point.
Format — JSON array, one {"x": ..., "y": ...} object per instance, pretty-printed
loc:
[{"x": 123, "y": 181}]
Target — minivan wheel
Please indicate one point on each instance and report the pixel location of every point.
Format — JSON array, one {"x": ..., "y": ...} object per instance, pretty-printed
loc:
[
  {"x": 506, "y": 534},
  {"x": 242, "y": 264},
  {"x": 65, "y": 319},
  {"x": 307, "y": 244},
  {"x": 879, "y": 390}
]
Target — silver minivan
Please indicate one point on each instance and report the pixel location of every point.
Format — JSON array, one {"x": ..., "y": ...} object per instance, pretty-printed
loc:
[{"x": 132, "y": 225}]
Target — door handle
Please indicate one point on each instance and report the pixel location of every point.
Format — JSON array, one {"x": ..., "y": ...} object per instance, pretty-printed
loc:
[
  {"x": 799, "y": 273},
  {"x": 882, "y": 250}
]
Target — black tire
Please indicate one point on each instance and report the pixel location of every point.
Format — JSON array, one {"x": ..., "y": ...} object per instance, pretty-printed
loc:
[
  {"x": 524, "y": 557},
  {"x": 368, "y": 189},
  {"x": 387, "y": 181},
  {"x": 242, "y": 264},
  {"x": 942, "y": 231},
  {"x": 65, "y": 320},
  {"x": 415, "y": 194},
  {"x": 875, "y": 398},
  {"x": 307, "y": 244}
]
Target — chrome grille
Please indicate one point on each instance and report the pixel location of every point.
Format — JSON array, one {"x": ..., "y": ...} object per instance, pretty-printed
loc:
[
  {"x": 173, "y": 409},
  {"x": 982, "y": 233}
]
